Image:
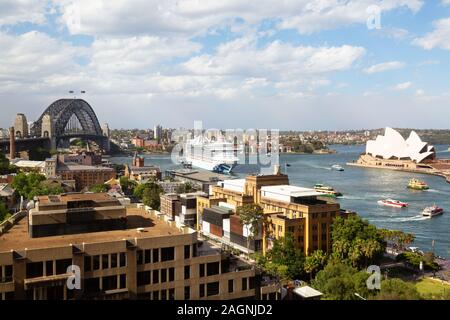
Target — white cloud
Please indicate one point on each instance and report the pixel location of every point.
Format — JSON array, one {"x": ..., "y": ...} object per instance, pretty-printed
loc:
[
  {"x": 277, "y": 60},
  {"x": 14, "y": 11},
  {"x": 420, "y": 93},
  {"x": 138, "y": 54},
  {"x": 385, "y": 66},
  {"x": 197, "y": 17},
  {"x": 33, "y": 55},
  {"x": 403, "y": 86},
  {"x": 438, "y": 38}
]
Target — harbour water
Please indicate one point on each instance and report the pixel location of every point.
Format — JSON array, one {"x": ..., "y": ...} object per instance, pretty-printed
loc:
[{"x": 362, "y": 188}]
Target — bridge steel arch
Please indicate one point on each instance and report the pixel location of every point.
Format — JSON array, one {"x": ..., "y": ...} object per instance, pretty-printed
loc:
[{"x": 61, "y": 112}]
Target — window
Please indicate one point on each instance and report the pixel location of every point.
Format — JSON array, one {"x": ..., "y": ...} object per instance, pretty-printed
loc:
[
  {"x": 314, "y": 227},
  {"x": 230, "y": 286},
  {"x": 92, "y": 285},
  {"x": 35, "y": 269},
  {"x": 114, "y": 260},
  {"x": 109, "y": 283},
  {"x": 49, "y": 268},
  {"x": 251, "y": 281},
  {"x": 324, "y": 214},
  {"x": 87, "y": 263},
  {"x": 96, "y": 260},
  {"x": 291, "y": 229},
  {"x": 187, "y": 293},
  {"x": 212, "y": 289},
  {"x": 164, "y": 295},
  {"x": 123, "y": 259},
  {"x": 147, "y": 256},
  {"x": 244, "y": 284},
  {"x": 194, "y": 250},
  {"x": 155, "y": 276},
  {"x": 300, "y": 238},
  {"x": 187, "y": 251},
  {"x": 167, "y": 254},
  {"x": 8, "y": 273},
  {"x": 187, "y": 272},
  {"x": 155, "y": 255},
  {"x": 143, "y": 278},
  {"x": 172, "y": 294},
  {"x": 202, "y": 290},
  {"x": 324, "y": 227},
  {"x": 314, "y": 237},
  {"x": 155, "y": 295},
  {"x": 202, "y": 269},
  {"x": 315, "y": 215},
  {"x": 163, "y": 275},
  {"x": 212, "y": 268},
  {"x": 105, "y": 262},
  {"x": 62, "y": 265},
  {"x": 324, "y": 237},
  {"x": 171, "y": 274},
  {"x": 123, "y": 281}
]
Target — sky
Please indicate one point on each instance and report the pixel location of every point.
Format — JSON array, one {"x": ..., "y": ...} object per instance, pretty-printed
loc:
[{"x": 285, "y": 64}]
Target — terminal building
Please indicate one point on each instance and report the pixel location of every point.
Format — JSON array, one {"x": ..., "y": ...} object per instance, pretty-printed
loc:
[{"x": 122, "y": 253}]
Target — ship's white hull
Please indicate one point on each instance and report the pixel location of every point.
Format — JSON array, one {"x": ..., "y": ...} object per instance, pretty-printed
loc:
[{"x": 208, "y": 165}]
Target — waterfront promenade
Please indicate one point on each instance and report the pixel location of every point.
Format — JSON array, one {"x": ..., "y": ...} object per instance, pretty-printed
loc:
[{"x": 439, "y": 167}]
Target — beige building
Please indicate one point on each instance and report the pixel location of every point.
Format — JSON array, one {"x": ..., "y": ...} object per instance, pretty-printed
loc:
[{"x": 122, "y": 253}]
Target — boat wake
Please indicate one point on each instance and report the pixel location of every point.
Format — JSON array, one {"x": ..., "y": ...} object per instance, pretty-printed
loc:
[
  {"x": 438, "y": 191},
  {"x": 404, "y": 219}
]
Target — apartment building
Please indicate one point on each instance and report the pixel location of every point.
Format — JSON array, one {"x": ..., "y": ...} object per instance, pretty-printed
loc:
[
  {"x": 181, "y": 207},
  {"x": 139, "y": 254},
  {"x": 303, "y": 212}
]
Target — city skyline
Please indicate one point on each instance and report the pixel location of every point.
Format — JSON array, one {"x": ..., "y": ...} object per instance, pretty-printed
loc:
[{"x": 300, "y": 66}]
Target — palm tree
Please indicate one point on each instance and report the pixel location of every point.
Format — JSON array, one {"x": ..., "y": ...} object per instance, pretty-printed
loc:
[{"x": 251, "y": 215}]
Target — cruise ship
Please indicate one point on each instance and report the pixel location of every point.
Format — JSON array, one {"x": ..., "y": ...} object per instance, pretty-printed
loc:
[{"x": 218, "y": 156}]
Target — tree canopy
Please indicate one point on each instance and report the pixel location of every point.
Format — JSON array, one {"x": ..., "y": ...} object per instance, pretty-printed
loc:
[
  {"x": 356, "y": 241},
  {"x": 100, "y": 188},
  {"x": 397, "y": 289},
  {"x": 149, "y": 193},
  {"x": 33, "y": 184}
]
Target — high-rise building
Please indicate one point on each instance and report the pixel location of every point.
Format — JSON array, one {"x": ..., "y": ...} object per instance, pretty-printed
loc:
[{"x": 157, "y": 133}]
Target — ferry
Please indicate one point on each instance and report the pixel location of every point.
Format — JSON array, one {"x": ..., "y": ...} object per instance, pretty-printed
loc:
[
  {"x": 417, "y": 185},
  {"x": 327, "y": 190},
  {"x": 337, "y": 167},
  {"x": 432, "y": 211},
  {"x": 393, "y": 203},
  {"x": 217, "y": 156}
]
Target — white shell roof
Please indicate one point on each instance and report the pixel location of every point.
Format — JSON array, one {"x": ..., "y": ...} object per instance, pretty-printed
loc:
[{"x": 392, "y": 144}]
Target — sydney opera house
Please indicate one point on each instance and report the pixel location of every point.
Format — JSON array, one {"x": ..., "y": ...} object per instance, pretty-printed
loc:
[
  {"x": 392, "y": 151},
  {"x": 393, "y": 146}
]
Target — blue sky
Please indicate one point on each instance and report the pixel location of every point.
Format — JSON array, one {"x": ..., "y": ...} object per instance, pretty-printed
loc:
[{"x": 288, "y": 64}]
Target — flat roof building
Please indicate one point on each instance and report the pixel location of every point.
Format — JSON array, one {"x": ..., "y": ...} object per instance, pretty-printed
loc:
[{"x": 147, "y": 258}]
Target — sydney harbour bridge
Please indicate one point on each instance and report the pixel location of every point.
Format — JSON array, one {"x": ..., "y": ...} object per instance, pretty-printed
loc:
[{"x": 62, "y": 121}]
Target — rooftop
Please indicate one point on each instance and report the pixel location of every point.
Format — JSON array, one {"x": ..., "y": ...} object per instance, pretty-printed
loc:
[
  {"x": 292, "y": 191},
  {"x": 78, "y": 167},
  {"x": 17, "y": 238},
  {"x": 307, "y": 292},
  {"x": 237, "y": 185},
  {"x": 64, "y": 198},
  {"x": 28, "y": 163},
  {"x": 199, "y": 175}
]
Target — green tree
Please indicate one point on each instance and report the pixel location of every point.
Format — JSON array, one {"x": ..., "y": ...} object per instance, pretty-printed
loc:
[
  {"x": 285, "y": 253},
  {"x": 339, "y": 281},
  {"x": 127, "y": 185},
  {"x": 185, "y": 188},
  {"x": 151, "y": 195},
  {"x": 251, "y": 215},
  {"x": 315, "y": 262},
  {"x": 356, "y": 241},
  {"x": 4, "y": 212},
  {"x": 33, "y": 184},
  {"x": 397, "y": 289},
  {"x": 99, "y": 188}
]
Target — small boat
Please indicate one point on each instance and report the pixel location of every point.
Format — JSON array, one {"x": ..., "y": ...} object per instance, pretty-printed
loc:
[
  {"x": 327, "y": 191},
  {"x": 417, "y": 185},
  {"x": 393, "y": 203},
  {"x": 432, "y": 211},
  {"x": 337, "y": 167}
]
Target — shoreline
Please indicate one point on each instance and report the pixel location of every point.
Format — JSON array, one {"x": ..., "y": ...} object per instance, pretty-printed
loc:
[{"x": 422, "y": 171}]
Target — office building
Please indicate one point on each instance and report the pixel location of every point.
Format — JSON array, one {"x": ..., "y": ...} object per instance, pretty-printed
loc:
[{"x": 121, "y": 253}]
